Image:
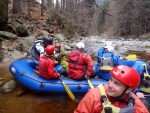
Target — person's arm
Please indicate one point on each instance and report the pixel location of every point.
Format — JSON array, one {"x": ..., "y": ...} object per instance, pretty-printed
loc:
[
  {"x": 99, "y": 55},
  {"x": 148, "y": 67},
  {"x": 117, "y": 61},
  {"x": 138, "y": 93},
  {"x": 90, "y": 102},
  {"x": 50, "y": 66},
  {"x": 139, "y": 107},
  {"x": 90, "y": 64},
  {"x": 40, "y": 47},
  {"x": 128, "y": 62},
  {"x": 63, "y": 54}
]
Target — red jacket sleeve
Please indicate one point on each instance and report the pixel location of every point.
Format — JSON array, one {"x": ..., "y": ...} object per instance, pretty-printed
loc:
[
  {"x": 139, "y": 107},
  {"x": 89, "y": 62},
  {"x": 50, "y": 66},
  {"x": 90, "y": 102}
]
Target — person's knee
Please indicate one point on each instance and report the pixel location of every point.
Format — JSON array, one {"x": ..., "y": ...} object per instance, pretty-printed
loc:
[
  {"x": 95, "y": 72},
  {"x": 63, "y": 72}
]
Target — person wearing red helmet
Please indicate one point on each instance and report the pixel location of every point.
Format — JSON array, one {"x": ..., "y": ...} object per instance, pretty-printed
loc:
[
  {"x": 116, "y": 96},
  {"x": 143, "y": 68},
  {"x": 46, "y": 64},
  {"x": 60, "y": 56}
]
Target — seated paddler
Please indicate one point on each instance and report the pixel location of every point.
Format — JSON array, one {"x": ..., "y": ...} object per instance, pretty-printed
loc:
[
  {"x": 46, "y": 65},
  {"x": 80, "y": 64},
  {"x": 107, "y": 59}
]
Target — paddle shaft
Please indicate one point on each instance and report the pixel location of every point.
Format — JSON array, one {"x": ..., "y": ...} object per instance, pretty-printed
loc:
[
  {"x": 69, "y": 92},
  {"x": 147, "y": 95},
  {"x": 90, "y": 84}
]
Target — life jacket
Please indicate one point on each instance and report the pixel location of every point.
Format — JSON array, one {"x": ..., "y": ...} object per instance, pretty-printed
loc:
[
  {"x": 75, "y": 60},
  {"x": 110, "y": 108},
  {"x": 106, "y": 63},
  {"x": 42, "y": 69},
  {"x": 145, "y": 84}
]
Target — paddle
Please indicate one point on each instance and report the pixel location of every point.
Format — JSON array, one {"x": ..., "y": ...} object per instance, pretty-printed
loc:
[
  {"x": 90, "y": 84},
  {"x": 146, "y": 75},
  {"x": 69, "y": 92},
  {"x": 147, "y": 95},
  {"x": 131, "y": 57}
]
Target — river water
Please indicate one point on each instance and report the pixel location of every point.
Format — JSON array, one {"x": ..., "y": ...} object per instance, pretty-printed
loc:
[
  {"x": 31, "y": 102},
  {"x": 39, "y": 103}
]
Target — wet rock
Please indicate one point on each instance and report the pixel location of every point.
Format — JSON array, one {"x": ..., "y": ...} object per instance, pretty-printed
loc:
[
  {"x": 1, "y": 79},
  {"x": 67, "y": 47},
  {"x": 8, "y": 87},
  {"x": 46, "y": 33},
  {"x": 8, "y": 35},
  {"x": 147, "y": 50},
  {"x": 1, "y": 83},
  {"x": 60, "y": 37},
  {"x": 20, "y": 92},
  {"x": 16, "y": 55},
  {"x": 6, "y": 59}
]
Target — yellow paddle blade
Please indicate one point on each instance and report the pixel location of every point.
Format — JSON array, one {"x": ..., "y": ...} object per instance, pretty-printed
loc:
[
  {"x": 146, "y": 75},
  {"x": 71, "y": 95},
  {"x": 131, "y": 57},
  {"x": 106, "y": 68},
  {"x": 90, "y": 84},
  {"x": 146, "y": 90}
]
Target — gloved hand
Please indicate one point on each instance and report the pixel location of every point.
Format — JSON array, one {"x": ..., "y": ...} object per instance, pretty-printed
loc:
[
  {"x": 140, "y": 95},
  {"x": 55, "y": 56},
  {"x": 58, "y": 75},
  {"x": 41, "y": 55},
  {"x": 56, "y": 62},
  {"x": 86, "y": 77}
]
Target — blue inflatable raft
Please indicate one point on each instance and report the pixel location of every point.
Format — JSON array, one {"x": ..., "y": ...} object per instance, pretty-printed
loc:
[{"x": 24, "y": 71}]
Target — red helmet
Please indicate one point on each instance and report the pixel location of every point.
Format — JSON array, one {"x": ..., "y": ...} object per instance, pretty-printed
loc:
[
  {"x": 49, "y": 49},
  {"x": 58, "y": 45},
  {"x": 126, "y": 75}
]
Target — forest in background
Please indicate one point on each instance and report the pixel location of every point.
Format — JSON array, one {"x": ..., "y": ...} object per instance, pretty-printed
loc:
[{"x": 84, "y": 17}]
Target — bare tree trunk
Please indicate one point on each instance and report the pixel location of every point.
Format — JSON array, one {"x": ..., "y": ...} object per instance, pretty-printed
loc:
[
  {"x": 29, "y": 7},
  {"x": 57, "y": 5},
  {"x": 49, "y": 4},
  {"x": 63, "y": 5},
  {"x": 42, "y": 7},
  {"x": 3, "y": 13},
  {"x": 16, "y": 7}
]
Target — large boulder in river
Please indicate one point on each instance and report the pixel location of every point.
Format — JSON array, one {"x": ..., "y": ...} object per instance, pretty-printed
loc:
[{"x": 8, "y": 87}]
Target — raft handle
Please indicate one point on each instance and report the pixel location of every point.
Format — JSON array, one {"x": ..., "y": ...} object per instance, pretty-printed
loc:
[
  {"x": 79, "y": 86},
  {"x": 42, "y": 85},
  {"x": 23, "y": 73}
]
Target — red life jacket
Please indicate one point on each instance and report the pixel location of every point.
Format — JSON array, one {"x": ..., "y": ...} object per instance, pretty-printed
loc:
[
  {"x": 75, "y": 60},
  {"x": 42, "y": 69}
]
